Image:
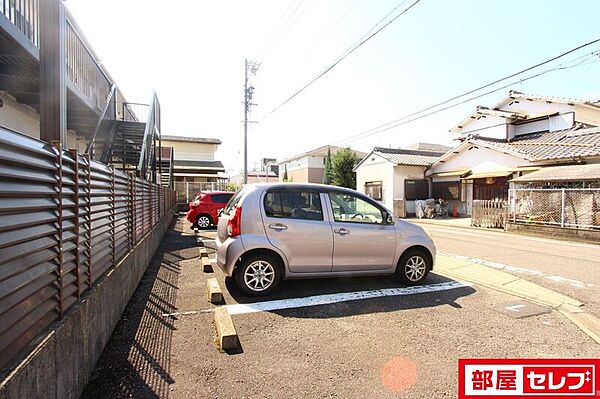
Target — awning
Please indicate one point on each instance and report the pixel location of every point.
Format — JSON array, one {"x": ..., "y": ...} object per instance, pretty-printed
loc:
[
  {"x": 196, "y": 174},
  {"x": 483, "y": 175},
  {"x": 570, "y": 173},
  {"x": 451, "y": 173}
]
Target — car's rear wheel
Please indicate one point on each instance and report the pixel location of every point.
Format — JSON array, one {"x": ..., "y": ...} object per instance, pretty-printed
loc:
[
  {"x": 413, "y": 267},
  {"x": 258, "y": 273},
  {"x": 203, "y": 221}
]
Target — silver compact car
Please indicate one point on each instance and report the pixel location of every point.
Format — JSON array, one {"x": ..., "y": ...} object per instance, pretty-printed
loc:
[{"x": 269, "y": 232}]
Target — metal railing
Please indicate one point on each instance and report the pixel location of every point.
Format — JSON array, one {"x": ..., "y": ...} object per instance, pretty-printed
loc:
[
  {"x": 489, "y": 213},
  {"x": 152, "y": 130},
  {"x": 65, "y": 221},
  {"x": 567, "y": 207},
  {"x": 135, "y": 112},
  {"x": 83, "y": 69},
  {"x": 24, "y": 15}
]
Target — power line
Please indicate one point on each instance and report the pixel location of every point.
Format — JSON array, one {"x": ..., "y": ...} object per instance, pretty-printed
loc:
[
  {"x": 276, "y": 28},
  {"x": 484, "y": 86},
  {"x": 341, "y": 58},
  {"x": 323, "y": 35},
  {"x": 403, "y": 121}
]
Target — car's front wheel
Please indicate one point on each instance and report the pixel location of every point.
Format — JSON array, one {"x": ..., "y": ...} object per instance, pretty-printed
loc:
[
  {"x": 203, "y": 222},
  {"x": 258, "y": 274},
  {"x": 413, "y": 267}
]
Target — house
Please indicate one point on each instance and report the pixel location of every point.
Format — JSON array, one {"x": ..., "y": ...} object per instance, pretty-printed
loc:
[
  {"x": 521, "y": 134},
  {"x": 309, "y": 167},
  {"x": 194, "y": 159},
  {"x": 396, "y": 176}
]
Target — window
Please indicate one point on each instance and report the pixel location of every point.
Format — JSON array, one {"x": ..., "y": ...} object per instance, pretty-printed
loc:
[
  {"x": 234, "y": 201},
  {"x": 221, "y": 198},
  {"x": 448, "y": 190},
  {"x": 373, "y": 190},
  {"x": 416, "y": 189},
  {"x": 349, "y": 208},
  {"x": 293, "y": 205}
]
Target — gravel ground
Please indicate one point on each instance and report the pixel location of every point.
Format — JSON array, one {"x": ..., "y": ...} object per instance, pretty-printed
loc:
[{"x": 389, "y": 347}]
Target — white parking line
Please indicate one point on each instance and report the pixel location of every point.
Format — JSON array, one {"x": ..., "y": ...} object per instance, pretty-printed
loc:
[
  {"x": 521, "y": 270},
  {"x": 341, "y": 297}
]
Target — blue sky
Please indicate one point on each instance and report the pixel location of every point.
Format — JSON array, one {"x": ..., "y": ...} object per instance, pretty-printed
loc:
[{"x": 192, "y": 53}]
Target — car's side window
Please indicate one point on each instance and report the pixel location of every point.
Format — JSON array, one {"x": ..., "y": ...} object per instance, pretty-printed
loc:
[
  {"x": 221, "y": 198},
  {"x": 350, "y": 208},
  {"x": 293, "y": 205}
]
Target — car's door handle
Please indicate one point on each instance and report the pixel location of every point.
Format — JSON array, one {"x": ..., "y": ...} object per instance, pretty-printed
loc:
[
  {"x": 341, "y": 231},
  {"x": 278, "y": 226}
]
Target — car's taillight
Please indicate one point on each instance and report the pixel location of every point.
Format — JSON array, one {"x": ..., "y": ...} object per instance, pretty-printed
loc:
[{"x": 234, "y": 224}]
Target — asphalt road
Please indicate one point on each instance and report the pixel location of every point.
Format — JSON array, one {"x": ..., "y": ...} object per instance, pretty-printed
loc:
[
  {"x": 381, "y": 347},
  {"x": 570, "y": 268}
]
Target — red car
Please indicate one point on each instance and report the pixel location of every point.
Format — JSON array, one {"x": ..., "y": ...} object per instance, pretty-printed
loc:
[{"x": 204, "y": 209}]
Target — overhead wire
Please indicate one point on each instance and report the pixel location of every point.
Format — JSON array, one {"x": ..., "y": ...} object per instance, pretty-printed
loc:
[
  {"x": 404, "y": 120},
  {"x": 352, "y": 49},
  {"x": 488, "y": 84}
]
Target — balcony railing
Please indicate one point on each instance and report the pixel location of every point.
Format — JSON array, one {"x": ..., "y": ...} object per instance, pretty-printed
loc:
[
  {"x": 83, "y": 69},
  {"x": 24, "y": 14}
]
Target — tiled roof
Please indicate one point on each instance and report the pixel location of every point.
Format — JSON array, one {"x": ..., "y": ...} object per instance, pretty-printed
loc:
[
  {"x": 563, "y": 144},
  {"x": 402, "y": 156}
]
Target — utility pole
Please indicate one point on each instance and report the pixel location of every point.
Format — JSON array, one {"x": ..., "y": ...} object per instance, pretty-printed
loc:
[{"x": 252, "y": 67}]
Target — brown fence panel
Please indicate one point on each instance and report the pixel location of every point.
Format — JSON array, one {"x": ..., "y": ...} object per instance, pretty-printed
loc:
[
  {"x": 64, "y": 222},
  {"x": 28, "y": 241}
]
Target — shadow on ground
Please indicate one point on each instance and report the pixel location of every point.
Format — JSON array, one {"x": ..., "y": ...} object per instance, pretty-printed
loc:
[{"x": 136, "y": 361}]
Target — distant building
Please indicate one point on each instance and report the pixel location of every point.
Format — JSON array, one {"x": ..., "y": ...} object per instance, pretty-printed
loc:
[
  {"x": 256, "y": 177},
  {"x": 194, "y": 159},
  {"x": 309, "y": 167},
  {"x": 396, "y": 176}
]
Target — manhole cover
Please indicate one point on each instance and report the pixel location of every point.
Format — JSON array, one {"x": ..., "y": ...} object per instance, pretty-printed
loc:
[{"x": 521, "y": 309}]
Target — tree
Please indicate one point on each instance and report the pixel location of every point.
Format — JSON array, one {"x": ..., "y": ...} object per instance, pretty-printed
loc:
[
  {"x": 285, "y": 175},
  {"x": 328, "y": 174},
  {"x": 343, "y": 163}
]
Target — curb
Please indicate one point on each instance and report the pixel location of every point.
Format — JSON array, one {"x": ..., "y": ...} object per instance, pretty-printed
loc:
[{"x": 510, "y": 284}]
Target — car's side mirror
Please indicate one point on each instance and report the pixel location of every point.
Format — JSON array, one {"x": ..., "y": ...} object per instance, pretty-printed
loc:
[{"x": 389, "y": 218}]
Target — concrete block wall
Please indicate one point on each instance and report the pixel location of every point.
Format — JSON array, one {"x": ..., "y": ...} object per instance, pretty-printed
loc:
[{"x": 61, "y": 361}]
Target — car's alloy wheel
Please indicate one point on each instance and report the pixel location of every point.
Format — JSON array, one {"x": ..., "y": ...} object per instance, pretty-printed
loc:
[
  {"x": 415, "y": 268},
  {"x": 259, "y": 275},
  {"x": 203, "y": 222}
]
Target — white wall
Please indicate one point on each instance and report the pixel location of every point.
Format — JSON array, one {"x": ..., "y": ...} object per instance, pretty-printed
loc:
[
  {"x": 190, "y": 151},
  {"x": 18, "y": 117},
  {"x": 405, "y": 172},
  {"x": 480, "y": 160},
  {"x": 486, "y": 126},
  {"x": 376, "y": 168}
]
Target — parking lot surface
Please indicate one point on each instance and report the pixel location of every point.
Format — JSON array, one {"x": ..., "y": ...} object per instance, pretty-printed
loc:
[{"x": 382, "y": 347}]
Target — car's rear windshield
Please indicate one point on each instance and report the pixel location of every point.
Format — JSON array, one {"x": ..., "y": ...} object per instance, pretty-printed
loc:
[{"x": 234, "y": 201}]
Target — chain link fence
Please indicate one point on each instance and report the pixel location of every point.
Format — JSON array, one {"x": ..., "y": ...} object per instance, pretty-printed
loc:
[{"x": 574, "y": 208}]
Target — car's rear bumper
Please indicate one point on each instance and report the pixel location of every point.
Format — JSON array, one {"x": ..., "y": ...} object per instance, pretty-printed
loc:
[{"x": 228, "y": 252}]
